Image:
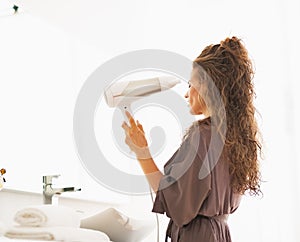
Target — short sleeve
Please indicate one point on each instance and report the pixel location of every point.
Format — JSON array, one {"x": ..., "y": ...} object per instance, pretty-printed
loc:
[{"x": 181, "y": 193}]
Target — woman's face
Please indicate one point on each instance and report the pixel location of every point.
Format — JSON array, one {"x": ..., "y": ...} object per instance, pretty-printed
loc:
[{"x": 196, "y": 102}]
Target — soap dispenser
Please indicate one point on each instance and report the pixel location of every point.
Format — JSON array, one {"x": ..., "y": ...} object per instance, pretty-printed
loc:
[{"x": 2, "y": 179}]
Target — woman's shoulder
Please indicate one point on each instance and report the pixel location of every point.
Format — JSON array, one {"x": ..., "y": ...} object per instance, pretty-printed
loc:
[
  {"x": 205, "y": 122},
  {"x": 199, "y": 132},
  {"x": 201, "y": 126}
]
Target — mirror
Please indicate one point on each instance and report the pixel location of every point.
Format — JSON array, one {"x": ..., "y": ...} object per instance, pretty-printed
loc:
[{"x": 44, "y": 72}]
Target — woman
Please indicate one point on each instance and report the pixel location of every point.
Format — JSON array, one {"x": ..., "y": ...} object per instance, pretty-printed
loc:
[{"x": 217, "y": 161}]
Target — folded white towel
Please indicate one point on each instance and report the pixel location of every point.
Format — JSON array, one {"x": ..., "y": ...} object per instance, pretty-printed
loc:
[
  {"x": 2, "y": 228},
  {"x": 56, "y": 233},
  {"x": 47, "y": 216},
  {"x": 118, "y": 226}
]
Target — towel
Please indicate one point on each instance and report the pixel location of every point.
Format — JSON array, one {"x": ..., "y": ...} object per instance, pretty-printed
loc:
[
  {"x": 47, "y": 216},
  {"x": 56, "y": 233},
  {"x": 118, "y": 226},
  {"x": 2, "y": 228}
]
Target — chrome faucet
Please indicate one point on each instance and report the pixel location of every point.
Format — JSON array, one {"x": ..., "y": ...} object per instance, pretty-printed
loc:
[{"x": 49, "y": 191}]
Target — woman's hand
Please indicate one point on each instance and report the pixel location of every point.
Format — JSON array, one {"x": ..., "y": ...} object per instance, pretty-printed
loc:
[{"x": 135, "y": 138}]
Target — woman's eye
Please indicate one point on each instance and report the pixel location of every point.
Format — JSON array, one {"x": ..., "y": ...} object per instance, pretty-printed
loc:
[{"x": 189, "y": 84}]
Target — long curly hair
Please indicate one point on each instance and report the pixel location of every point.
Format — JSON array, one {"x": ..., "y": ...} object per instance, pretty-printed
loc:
[{"x": 229, "y": 67}]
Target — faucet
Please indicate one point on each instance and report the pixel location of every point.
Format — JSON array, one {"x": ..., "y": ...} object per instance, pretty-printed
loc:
[{"x": 49, "y": 191}]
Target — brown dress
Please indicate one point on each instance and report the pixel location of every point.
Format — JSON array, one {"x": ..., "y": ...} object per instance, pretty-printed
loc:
[{"x": 197, "y": 206}]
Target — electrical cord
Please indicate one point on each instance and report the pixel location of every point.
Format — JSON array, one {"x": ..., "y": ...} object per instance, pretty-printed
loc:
[{"x": 157, "y": 221}]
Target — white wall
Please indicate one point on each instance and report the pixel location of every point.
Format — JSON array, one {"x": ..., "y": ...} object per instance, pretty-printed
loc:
[{"x": 49, "y": 50}]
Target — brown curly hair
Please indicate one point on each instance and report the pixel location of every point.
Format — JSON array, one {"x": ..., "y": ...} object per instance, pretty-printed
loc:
[{"x": 229, "y": 67}]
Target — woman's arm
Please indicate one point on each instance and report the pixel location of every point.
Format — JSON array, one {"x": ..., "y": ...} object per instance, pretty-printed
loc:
[
  {"x": 153, "y": 174},
  {"x": 136, "y": 140}
]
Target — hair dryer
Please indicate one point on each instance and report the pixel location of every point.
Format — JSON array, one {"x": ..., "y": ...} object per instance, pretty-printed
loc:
[{"x": 122, "y": 94}]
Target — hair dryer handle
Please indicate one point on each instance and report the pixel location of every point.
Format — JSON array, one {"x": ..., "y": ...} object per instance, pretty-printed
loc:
[{"x": 125, "y": 107}]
